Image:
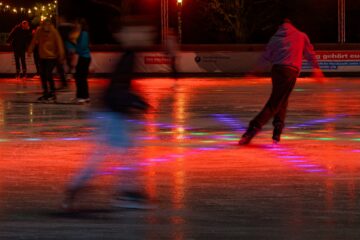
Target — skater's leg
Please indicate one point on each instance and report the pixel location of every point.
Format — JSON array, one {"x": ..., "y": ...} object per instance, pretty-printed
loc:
[
  {"x": 17, "y": 62},
  {"x": 88, "y": 171},
  {"x": 283, "y": 82},
  {"x": 43, "y": 77},
  {"x": 279, "y": 122},
  {"x": 61, "y": 71},
  {"x": 49, "y": 76},
  {"x": 96, "y": 157},
  {"x": 129, "y": 192},
  {"x": 23, "y": 64},
  {"x": 82, "y": 72}
]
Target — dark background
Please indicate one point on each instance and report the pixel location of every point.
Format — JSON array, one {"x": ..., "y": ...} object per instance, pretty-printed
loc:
[{"x": 318, "y": 18}]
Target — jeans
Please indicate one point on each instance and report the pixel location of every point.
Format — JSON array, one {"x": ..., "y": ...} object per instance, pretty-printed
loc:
[
  {"x": 283, "y": 81},
  {"x": 81, "y": 77},
  {"x": 111, "y": 136},
  {"x": 46, "y": 74},
  {"x": 20, "y": 57}
]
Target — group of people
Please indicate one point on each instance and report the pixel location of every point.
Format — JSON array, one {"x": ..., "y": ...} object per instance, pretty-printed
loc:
[
  {"x": 53, "y": 47},
  {"x": 285, "y": 52}
]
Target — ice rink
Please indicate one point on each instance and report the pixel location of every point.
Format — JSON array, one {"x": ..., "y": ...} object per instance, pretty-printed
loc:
[{"x": 204, "y": 185}]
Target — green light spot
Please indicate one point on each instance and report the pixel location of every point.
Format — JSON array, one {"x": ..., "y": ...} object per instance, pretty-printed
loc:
[
  {"x": 231, "y": 139},
  {"x": 199, "y": 133},
  {"x": 229, "y": 135},
  {"x": 326, "y": 139},
  {"x": 356, "y": 139},
  {"x": 299, "y": 90},
  {"x": 301, "y": 133},
  {"x": 291, "y": 137}
]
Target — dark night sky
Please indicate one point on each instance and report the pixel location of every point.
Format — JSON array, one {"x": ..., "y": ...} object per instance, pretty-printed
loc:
[
  {"x": 9, "y": 19},
  {"x": 25, "y": 3},
  {"x": 318, "y": 20}
]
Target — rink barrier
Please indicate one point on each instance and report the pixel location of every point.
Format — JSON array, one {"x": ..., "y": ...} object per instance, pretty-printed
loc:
[{"x": 203, "y": 59}]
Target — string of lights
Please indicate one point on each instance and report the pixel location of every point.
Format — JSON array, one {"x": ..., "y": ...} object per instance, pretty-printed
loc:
[{"x": 43, "y": 10}]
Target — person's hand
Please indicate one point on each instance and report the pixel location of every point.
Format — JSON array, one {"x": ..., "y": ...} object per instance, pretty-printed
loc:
[{"x": 318, "y": 75}]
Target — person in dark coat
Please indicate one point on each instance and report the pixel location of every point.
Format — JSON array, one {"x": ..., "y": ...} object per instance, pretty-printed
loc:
[{"x": 20, "y": 38}]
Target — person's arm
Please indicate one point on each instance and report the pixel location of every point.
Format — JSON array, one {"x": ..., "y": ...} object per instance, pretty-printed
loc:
[
  {"x": 11, "y": 35},
  {"x": 310, "y": 56},
  {"x": 33, "y": 42},
  {"x": 60, "y": 46}
]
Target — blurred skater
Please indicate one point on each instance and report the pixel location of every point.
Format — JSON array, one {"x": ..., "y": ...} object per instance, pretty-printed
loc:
[
  {"x": 172, "y": 49},
  {"x": 119, "y": 102},
  {"x": 285, "y": 52}
]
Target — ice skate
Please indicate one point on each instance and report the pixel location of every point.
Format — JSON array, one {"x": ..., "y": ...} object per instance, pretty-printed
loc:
[
  {"x": 132, "y": 200},
  {"x": 68, "y": 201},
  {"x": 47, "y": 98},
  {"x": 248, "y": 135},
  {"x": 80, "y": 100},
  {"x": 70, "y": 195},
  {"x": 51, "y": 98},
  {"x": 43, "y": 98},
  {"x": 276, "y": 134}
]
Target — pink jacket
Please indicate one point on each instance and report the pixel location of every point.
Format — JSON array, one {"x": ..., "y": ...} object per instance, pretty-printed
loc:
[{"x": 288, "y": 46}]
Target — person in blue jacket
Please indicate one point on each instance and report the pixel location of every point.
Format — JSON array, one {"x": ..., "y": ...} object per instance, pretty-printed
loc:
[{"x": 80, "y": 45}]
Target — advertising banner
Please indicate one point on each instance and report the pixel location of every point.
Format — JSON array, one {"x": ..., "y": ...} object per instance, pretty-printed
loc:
[
  {"x": 337, "y": 61},
  {"x": 199, "y": 62}
]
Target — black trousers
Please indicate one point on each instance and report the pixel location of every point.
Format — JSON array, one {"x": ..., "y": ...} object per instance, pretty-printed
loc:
[
  {"x": 61, "y": 71},
  {"x": 81, "y": 77},
  {"x": 283, "y": 82},
  {"x": 20, "y": 57},
  {"x": 46, "y": 74}
]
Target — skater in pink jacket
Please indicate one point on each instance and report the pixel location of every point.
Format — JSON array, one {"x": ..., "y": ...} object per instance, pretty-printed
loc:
[{"x": 285, "y": 51}]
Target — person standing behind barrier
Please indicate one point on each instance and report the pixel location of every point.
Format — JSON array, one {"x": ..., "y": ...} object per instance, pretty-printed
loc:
[
  {"x": 285, "y": 52},
  {"x": 81, "y": 47},
  {"x": 51, "y": 51},
  {"x": 20, "y": 38}
]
